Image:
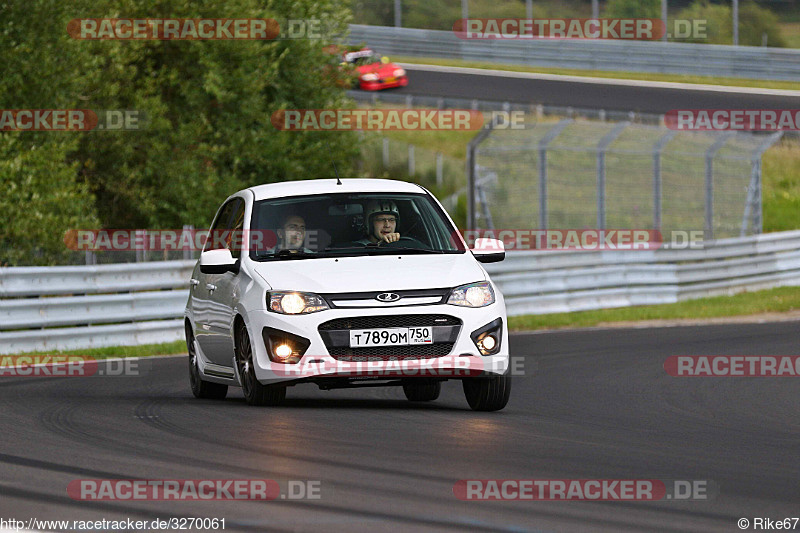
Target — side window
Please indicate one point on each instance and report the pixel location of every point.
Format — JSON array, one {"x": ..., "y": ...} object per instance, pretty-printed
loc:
[{"x": 217, "y": 238}]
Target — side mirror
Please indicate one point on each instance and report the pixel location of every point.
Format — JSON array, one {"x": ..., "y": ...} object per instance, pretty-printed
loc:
[
  {"x": 218, "y": 262},
  {"x": 489, "y": 250}
]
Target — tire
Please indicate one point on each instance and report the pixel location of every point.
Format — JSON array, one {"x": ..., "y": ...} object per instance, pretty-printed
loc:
[
  {"x": 254, "y": 392},
  {"x": 422, "y": 390},
  {"x": 200, "y": 388},
  {"x": 487, "y": 394}
]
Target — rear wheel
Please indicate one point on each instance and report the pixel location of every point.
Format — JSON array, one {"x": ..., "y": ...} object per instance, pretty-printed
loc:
[
  {"x": 422, "y": 390},
  {"x": 254, "y": 392},
  {"x": 487, "y": 394},
  {"x": 200, "y": 388}
]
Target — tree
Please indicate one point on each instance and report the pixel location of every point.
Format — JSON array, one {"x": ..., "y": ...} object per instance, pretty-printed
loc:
[{"x": 207, "y": 106}]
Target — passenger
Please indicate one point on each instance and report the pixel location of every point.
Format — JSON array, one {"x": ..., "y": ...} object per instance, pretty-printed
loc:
[{"x": 292, "y": 235}]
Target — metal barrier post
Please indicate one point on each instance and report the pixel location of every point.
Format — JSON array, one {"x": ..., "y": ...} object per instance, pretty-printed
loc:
[
  {"x": 657, "y": 149},
  {"x": 472, "y": 171},
  {"x": 542, "y": 147},
  {"x": 709, "y": 210},
  {"x": 607, "y": 139},
  {"x": 753, "y": 202}
]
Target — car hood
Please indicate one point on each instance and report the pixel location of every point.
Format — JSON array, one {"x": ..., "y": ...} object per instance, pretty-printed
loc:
[
  {"x": 371, "y": 273},
  {"x": 382, "y": 70}
]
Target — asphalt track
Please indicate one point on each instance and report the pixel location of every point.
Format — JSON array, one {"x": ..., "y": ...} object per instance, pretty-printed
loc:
[
  {"x": 610, "y": 95},
  {"x": 594, "y": 404}
]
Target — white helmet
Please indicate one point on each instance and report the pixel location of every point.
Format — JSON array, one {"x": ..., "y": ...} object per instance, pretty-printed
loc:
[{"x": 380, "y": 207}]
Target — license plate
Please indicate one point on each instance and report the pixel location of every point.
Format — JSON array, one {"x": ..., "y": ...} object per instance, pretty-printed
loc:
[
  {"x": 390, "y": 80},
  {"x": 361, "y": 338}
]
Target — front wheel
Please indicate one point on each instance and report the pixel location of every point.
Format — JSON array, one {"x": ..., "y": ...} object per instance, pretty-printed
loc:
[
  {"x": 254, "y": 392},
  {"x": 200, "y": 388},
  {"x": 487, "y": 394}
]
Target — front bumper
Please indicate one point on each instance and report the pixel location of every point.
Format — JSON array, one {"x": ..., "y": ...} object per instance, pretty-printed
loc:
[
  {"x": 380, "y": 84},
  {"x": 461, "y": 360}
]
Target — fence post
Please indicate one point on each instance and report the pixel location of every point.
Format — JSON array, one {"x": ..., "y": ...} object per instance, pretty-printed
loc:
[
  {"x": 141, "y": 236},
  {"x": 547, "y": 139},
  {"x": 753, "y": 202},
  {"x": 385, "y": 152},
  {"x": 439, "y": 170},
  {"x": 607, "y": 139},
  {"x": 398, "y": 16},
  {"x": 410, "y": 159},
  {"x": 657, "y": 150},
  {"x": 709, "y": 208},
  {"x": 472, "y": 170}
]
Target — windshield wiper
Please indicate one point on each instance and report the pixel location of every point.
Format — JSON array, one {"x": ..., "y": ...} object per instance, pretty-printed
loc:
[
  {"x": 288, "y": 253},
  {"x": 393, "y": 249}
]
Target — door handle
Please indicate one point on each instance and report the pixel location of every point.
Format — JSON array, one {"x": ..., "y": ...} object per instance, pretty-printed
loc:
[
  {"x": 194, "y": 282},
  {"x": 211, "y": 287}
]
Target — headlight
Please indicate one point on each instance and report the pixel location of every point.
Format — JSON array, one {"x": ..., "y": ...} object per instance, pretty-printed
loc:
[
  {"x": 399, "y": 73},
  {"x": 472, "y": 295},
  {"x": 370, "y": 77},
  {"x": 295, "y": 303}
]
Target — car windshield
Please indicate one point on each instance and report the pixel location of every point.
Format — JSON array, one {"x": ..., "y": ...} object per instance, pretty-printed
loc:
[
  {"x": 364, "y": 57},
  {"x": 342, "y": 225}
]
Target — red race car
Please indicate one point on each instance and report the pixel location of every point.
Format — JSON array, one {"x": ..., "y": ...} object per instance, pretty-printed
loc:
[{"x": 375, "y": 72}]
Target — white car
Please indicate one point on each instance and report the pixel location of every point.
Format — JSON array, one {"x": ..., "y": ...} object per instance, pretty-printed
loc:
[{"x": 344, "y": 283}]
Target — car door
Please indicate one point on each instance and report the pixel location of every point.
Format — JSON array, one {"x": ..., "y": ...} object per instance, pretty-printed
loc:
[
  {"x": 221, "y": 290},
  {"x": 204, "y": 291}
]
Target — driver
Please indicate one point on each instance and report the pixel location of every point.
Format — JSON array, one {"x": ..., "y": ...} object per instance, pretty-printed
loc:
[{"x": 382, "y": 218}]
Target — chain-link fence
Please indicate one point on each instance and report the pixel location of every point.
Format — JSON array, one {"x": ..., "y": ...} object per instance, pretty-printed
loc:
[
  {"x": 591, "y": 174},
  {"x": 383, "y": 156}
]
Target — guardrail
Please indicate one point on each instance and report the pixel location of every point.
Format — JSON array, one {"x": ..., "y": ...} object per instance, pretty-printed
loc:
[
  {"x": 142, "y": 303},
  {"x": 537, "y": 282},
  {"x": 108, "y": 305},
  {"x": 613, "y": 55}
]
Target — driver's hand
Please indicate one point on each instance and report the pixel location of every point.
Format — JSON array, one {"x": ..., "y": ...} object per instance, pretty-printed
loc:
[{"x": 391, "y": 237}]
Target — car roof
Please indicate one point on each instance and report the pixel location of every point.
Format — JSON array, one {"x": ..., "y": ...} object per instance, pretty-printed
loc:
[{"x": 329, "y": 185}]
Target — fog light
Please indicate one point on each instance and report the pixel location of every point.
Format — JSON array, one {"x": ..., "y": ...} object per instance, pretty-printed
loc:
[
  {"x": 284, "y": 347},
  {"x": 487, "y": 339},
  {"x": 488, "y": 343},
  {"x": 283, "y": 351}
]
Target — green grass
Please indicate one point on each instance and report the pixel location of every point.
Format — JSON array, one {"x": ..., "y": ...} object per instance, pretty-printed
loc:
[
  {"x": 647, "y": 76},
  {"x": 779, "y": 300},
  {"x": 144, "y": 350},
  {"x": 781, "y": 182}
]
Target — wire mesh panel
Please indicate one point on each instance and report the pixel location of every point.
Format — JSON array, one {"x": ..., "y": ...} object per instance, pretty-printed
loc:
[{"x": 583, "y": 173}]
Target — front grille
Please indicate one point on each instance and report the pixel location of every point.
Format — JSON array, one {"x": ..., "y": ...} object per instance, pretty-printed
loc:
[
  {"x": 336, "y": 335},
  {"x": 389, "y": 321},
  {"x": 391, "y": 353}
]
